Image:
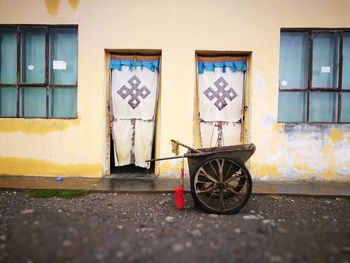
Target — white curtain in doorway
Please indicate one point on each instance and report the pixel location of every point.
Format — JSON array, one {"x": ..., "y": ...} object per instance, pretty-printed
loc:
[
  {"x": 220, "y": 93},
  {"x": 134, "y": 96}
]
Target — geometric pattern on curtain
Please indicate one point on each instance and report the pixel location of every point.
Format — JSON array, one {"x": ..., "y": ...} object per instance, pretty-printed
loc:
[
  {"x": 134, "y": 96},
  {"x": 220, "y": 93}
]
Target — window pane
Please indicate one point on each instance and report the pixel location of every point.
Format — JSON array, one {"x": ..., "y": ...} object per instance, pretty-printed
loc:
[
  {"x": 33, "y": 55},
  {"x": 33, "y": 102},
  {"x": 63, "y": 56},
  {"x": 323, "y": 106},
  {"x": 293, "y": 60},
  {"x": 325, "y": 60},
  {"x": 8, "y": 55},
  {"x": 345, "y": 107},
  {"x": 346, "y": 61},
  {"x": 63, "y": 102},
  {"x": 8, "y": 102},
  {"x": 292, "y": 106}
]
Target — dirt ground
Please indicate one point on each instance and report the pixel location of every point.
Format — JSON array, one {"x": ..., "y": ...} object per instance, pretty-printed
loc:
[{"x": 146, "y": 227}]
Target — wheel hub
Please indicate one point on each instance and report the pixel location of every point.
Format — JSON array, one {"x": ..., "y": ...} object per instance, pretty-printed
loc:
[{"x": 221, "y": 185}]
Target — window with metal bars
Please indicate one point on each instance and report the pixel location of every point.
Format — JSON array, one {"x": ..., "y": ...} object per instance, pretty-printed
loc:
[
  {"x": 314, "y": 84},
  {"x": 38, "y": 71}
]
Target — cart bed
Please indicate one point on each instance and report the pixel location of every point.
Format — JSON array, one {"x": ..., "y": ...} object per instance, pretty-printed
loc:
[{"x": 240, "y": 153}]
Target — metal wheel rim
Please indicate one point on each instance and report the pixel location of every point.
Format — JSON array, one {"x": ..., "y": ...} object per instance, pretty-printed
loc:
[{"x": 221, "y": 184}]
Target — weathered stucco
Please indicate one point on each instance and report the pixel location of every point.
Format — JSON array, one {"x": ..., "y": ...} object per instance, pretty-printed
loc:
[
  {"x": 178, "y": 29},
  {"x": 36, "y": 126},
  {"x": 304, "y": 152},
  {"x": 34, "y": 167},
  {"x": 296, "y": 151}
]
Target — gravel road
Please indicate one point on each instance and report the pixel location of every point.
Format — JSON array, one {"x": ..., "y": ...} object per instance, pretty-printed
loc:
[{"x": 146, "y": 227}]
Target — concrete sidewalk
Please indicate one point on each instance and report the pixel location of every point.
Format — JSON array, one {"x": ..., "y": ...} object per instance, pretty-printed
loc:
[{"x": 154, "y": 184}]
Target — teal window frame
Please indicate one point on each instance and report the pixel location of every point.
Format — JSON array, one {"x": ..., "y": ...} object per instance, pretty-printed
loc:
[
  {"x": 48, "y": 86},
  {"x": 310, "y": 90}
]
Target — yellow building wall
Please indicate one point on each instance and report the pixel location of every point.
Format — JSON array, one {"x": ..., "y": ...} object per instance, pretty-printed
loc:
[{"x": 178, "y": 29}]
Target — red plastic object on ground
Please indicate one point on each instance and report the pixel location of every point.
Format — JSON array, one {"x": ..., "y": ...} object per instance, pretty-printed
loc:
[{"x": 179, "y": 192}]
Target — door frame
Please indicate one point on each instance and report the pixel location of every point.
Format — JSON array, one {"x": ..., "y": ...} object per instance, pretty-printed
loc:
[
  {"x": 107, "y": 106},
  {"x": 246, "y": 105}
]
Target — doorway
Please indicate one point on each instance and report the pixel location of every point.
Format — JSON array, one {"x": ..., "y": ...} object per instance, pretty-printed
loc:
[
  {"x": 133, "y": 103},
  {"x": 221, "y": 109},
  {"x": 131, "y": 170}
]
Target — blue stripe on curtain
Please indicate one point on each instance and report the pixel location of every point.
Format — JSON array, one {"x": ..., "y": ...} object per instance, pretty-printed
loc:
[
  {"x": 233, "y": 65},
  {"x": 152, "y": 65}
]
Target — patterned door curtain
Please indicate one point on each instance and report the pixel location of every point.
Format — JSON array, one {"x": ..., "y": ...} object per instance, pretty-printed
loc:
[
  {"x": 134, "y": 95},
  {"x": 220, "y": 88}
]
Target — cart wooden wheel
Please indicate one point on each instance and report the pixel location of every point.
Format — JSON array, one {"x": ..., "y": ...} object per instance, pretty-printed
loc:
[{"x": 221, "y": 185}]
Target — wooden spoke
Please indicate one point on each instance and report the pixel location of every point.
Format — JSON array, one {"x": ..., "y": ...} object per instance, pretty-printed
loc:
[
  {"x": 228, "y": 171},
  {"x": 214, "y": 170},
  {"x": 205, "y": 174},
  {"x": 204, "y": 182},
  {"x": 220, "y": 163},
  {"x": 230, "y": 199},
  {"x": 221, "y": 198},
  {"x": 208, "y": 189},
  {"x": 232, "y": 190},
  {"x": 234, "y": 176}
]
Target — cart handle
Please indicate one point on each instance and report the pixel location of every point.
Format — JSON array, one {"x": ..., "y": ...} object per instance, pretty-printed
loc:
[
  {"x": 186, "y": 146},
  {"x": 177, "y": 157},
  {"x": 162, "y": 159}
]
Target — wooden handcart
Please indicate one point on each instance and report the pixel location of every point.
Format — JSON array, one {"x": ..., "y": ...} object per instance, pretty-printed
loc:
[{"x": 220, "y": 181}]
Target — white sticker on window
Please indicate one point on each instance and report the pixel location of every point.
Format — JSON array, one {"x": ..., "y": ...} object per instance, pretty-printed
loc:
[
  {"x": 59, "y": 65},
  {"x": 30, "y": 67},
  {"x": 325, "y": 69},
  {"x": 284, "y": 83}
]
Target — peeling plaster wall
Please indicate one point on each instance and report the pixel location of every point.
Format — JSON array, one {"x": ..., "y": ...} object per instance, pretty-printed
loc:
[
  {"x": 295, "y": 151},
  {"x": 303, "y": 152},
  {"x": 178, "y": 28}
]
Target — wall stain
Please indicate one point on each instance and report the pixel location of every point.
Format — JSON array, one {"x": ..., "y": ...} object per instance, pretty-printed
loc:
[
  {"x": 277, "y": 127},
  {"x": 172, "y": 169},
  {"x": 36, "y": 126},
  {"x": 335, "y": 135},
  {"x": 74, "y": 4},
  {"x": 33, "y": 167},
  {"x": 263, "y": 170},
  {"x": 52, "y": 6}
]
